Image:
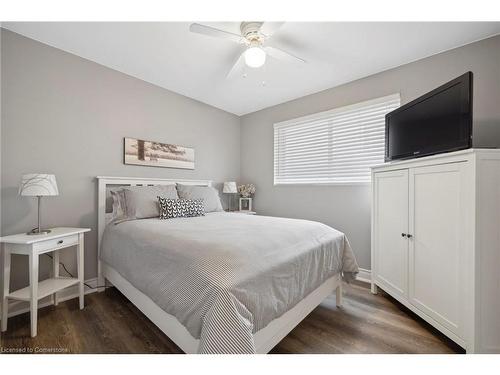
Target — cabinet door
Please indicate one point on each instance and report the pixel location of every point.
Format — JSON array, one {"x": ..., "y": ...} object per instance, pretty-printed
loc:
[
  {"x": 390, "y": 221},
  {"x": 437, "y": 225}
]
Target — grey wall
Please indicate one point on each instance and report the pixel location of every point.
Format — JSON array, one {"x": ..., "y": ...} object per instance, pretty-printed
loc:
[
  {"x": 66, "y": 115},
  {"x": 348, "y": 207}
]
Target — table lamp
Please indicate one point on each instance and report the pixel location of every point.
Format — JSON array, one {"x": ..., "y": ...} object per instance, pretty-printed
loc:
[
  {"x": 230, "y": 188},
  {"x": 38, "y": 185}
]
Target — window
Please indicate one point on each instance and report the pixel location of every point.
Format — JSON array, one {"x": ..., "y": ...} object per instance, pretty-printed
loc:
[{"x": 333, "y": 147}]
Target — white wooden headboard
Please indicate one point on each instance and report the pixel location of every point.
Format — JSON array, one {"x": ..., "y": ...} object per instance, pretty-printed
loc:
[{"x": 106, "y": 182}]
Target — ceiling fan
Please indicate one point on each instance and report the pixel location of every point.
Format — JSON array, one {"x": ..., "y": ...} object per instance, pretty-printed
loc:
[{"x": 254, "y": 36}]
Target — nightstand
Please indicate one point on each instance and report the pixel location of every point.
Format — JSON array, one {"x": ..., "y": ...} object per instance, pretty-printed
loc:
[{"x": 33, "y": 246}]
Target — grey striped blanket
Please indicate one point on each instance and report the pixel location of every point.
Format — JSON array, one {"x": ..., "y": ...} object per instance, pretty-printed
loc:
[{"x": 226, "y": 276}]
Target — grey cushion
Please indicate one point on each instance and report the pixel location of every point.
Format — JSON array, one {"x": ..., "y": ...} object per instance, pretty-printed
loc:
[
  {"x": 118, "y": 212},
  {"x": 110, "y": 201},
  {"x": 209, "y": 195},
  {"x": 141, "y": 202}
]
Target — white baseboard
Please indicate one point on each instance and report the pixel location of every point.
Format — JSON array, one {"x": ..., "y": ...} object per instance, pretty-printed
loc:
[
  {"x": 20, "y": 307},
  {"x": 364, "y": 275}
]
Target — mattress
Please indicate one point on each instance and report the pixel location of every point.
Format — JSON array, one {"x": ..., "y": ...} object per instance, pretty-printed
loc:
[{"x": 225, "y": 276}]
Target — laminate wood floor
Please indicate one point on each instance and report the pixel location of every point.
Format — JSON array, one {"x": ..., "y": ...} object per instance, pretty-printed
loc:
[{"x": 111, "y": 324}]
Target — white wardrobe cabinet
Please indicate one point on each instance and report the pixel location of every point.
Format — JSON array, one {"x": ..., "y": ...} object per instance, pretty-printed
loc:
[{"x": 436, "y": 242}]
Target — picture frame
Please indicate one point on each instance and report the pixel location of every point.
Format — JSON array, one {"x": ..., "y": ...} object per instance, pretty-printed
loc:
[
  {"x": 245, "y": 204},
  {"x": 157, "y": 154}
]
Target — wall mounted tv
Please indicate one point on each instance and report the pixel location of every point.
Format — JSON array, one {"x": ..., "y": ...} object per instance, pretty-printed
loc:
[{"x": 439, "y": 121}]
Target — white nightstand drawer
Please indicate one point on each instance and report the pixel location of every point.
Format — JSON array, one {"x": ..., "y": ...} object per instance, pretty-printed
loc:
[{"x": 56, "y": 243}]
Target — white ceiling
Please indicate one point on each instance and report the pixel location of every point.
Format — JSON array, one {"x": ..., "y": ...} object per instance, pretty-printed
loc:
[{"x": 168, "y": 55}]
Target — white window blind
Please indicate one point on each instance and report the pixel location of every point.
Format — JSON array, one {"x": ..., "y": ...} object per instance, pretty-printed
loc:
[{"x": 336, "y": 146}]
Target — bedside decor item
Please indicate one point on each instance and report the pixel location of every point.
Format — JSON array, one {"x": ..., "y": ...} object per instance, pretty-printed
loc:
[
  {"x": 245, "y": 204},
  {"x": 246, "y": 190},
  {"x": 230, "y": 188},
  {"x": 156, "y": 154},
  {"x": 38, "y": 185}
]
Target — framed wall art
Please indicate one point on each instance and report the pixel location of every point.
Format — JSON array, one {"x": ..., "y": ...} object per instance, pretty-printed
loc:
[{"x": 157, "y": 154}]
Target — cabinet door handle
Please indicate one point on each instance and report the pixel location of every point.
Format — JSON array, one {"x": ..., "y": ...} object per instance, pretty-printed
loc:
[
  {"x": 60, "y": 242},
  {"x": 403, "y": 234},
  {"x": 409, "y": 236}
]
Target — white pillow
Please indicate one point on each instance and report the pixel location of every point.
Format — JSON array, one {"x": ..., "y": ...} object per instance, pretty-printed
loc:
[
  {"x": 141, "y": 202},
  {"x": 119, "y": 212},
  {"x": 209, "y": 195}
]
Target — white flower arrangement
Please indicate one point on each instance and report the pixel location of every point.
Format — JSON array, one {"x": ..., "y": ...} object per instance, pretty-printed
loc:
[{"x": 246, "y": 190}]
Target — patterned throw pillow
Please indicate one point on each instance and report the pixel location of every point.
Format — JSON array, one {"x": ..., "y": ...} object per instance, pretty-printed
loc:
[
  {"x": 195, "y": 207},
  {"x": 172, "y": 208}
]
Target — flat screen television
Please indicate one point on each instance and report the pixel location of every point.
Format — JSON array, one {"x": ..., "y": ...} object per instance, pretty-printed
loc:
[{"x": 439, "y": 121}]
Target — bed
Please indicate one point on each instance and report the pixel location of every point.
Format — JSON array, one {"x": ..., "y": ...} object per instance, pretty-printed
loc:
[{"x": 223, "y": 282}]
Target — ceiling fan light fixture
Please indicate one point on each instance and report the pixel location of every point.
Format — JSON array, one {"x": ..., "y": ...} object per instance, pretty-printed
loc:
[{"x": 255, "y": 57}]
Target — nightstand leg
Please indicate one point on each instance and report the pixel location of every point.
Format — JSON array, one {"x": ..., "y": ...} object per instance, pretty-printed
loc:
[
  {"x": 33, "y": 260},
  {"x": 79, "y": 260},
  {"x": 338, "y": 295},
  {"x": 6, "y": 287},
  {"x": 55, "y": 272}
]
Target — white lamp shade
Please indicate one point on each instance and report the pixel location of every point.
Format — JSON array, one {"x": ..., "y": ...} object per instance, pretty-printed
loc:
[
  {"x": 38, "y": 184},
  {"x": 230, "y": 187}
]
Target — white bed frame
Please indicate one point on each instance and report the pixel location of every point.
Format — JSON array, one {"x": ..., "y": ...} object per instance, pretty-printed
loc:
[{"x": 265, "y": 339}]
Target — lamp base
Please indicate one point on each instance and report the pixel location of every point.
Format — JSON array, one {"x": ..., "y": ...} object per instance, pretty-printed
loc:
[{"x": 37, "y": 231}]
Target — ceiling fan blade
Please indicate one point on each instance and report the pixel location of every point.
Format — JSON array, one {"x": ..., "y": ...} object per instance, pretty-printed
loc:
[
  {"x": 237, "y": 67},
  {"x": 279, "y": 54},
  {"x": 269, "y": 28},
  {"x": 212, "y": 31}
]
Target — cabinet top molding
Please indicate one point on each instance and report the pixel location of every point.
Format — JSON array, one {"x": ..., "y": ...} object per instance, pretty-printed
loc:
[{"x": 462, "y": 155}]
